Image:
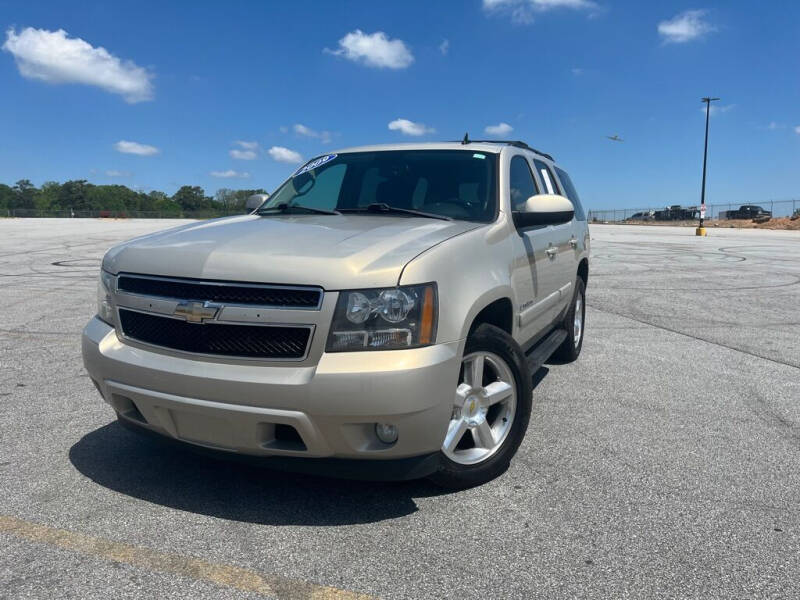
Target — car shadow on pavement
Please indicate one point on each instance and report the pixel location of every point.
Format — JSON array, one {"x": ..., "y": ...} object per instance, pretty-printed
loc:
[{"x": 163, "y": 474}]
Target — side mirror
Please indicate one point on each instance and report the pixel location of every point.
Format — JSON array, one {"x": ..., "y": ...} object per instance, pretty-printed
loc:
[
  {"x": 543, "y": 209},
  {"x": 254, "y": 201}
]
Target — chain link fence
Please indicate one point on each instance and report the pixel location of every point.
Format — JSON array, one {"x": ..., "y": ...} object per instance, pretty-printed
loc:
[{"x": 778, "y": 208}]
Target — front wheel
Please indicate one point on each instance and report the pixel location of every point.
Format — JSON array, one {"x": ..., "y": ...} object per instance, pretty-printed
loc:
[{"x": 491, "y": 409}]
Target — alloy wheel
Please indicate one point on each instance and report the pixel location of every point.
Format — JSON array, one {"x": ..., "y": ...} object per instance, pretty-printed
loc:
[
  {"x": 577, "y": 327},
  {"x": 483, "y": 409}
]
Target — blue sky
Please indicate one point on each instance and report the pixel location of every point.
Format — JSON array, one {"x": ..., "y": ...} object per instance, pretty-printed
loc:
[{"x": 180, "y": 83}]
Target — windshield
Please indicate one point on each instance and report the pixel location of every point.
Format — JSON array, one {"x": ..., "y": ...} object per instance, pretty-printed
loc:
[{"x": 460, "y": 184}]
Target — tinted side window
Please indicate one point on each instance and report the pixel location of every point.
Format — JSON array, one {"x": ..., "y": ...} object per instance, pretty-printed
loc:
[
  {"x": 521, "y": 183},
  {"x": 572, "y": 194},
  {"x": 550, "y": 184}
]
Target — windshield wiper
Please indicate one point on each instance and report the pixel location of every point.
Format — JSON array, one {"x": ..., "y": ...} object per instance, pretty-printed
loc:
[
  {"x": 285, "y": 208},
  {"x": 382, "y": 207}
]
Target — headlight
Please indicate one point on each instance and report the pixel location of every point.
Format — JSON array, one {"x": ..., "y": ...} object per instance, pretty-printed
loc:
[
  {"x": 105, "y": 287},
  {"x": 384, "y": 319}
]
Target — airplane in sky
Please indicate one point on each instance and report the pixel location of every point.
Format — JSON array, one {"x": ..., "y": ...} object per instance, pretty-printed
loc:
[{"x": 615, "y": 138}]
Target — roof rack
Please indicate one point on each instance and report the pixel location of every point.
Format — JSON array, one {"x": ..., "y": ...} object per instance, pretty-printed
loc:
[{"x": 515, "y": 143}]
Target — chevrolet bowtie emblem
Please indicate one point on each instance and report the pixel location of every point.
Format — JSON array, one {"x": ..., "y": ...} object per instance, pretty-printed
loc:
[{"x": 196, "y": 312}]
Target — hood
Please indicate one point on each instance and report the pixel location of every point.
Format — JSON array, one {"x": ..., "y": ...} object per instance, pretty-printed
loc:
[{"x": 332, "y": 251}]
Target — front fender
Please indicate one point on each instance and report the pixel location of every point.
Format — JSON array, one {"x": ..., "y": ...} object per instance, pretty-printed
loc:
[{"x": 471, "y": 271}]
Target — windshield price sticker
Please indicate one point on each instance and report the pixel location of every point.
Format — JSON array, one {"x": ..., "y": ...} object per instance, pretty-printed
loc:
[{"x": 317, "y": 162}]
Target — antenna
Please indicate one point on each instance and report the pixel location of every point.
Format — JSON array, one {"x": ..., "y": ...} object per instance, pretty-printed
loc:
[{"x": 466, "y": 139}]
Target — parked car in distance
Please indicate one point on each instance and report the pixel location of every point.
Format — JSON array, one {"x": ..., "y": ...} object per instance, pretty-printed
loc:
[
  {"x": 647, "y": 215},
  {"x": 676, "y": 212},
  {"x": 380, "y": 315},
  {"x": 746, "y": 211}
]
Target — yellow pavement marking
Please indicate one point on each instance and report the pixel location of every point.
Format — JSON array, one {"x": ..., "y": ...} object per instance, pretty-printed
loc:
[{"x": 145, "y": 558}]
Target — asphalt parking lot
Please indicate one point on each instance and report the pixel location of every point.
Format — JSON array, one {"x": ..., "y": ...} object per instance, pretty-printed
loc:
[{"x": 664, "y": 463}]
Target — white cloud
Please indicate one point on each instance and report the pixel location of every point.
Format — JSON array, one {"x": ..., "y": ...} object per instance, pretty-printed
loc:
[
  {"x": 285, "y": 155},
  {"x": 245, "y": 151},
  {"x": 797, "y": 130},
  {"x": 303, "y": 131},
  {"x": 524, "y": 11},
  {"x": 577, "y": 71},
  {"x": 407, "y": 127},
  {"x": 115, "y": 173},
  {"x": 230, "y": 174},
  {"x": 685, "y": 27},
  {"x": 242, "y": 154},
  {"x": 541, "y": 5},
  {"x": 501, "y": 129},
  {"x": 374, "y": 50},
  {"x": 283, "y": 129},
  {"x": 574, "y": 4},
  {"x": 246, "y": 145},
  {"x": 444, "y": 47},
  {"x": 127, "y": 147},
  {"x": 52, "y": 57},
  {"x": 773, "y": 126},
  {"x": 717, "y": 109}
]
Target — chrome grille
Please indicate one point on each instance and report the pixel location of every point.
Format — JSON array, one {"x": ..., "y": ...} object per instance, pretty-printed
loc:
[{"x": 264, "y": 295}]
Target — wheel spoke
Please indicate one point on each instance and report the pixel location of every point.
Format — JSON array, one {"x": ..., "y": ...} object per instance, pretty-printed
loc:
[
  {"x": 498, "y": 391},
  {"x": 473, "y": 373},
  {"x": 454, "y": 434},
  {"x": 484, "y": 436},
  {"x": 462, "y": 391},
  {"x": 577, "y": 328}
]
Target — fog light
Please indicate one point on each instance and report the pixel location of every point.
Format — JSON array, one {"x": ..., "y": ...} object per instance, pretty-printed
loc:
[{"x": 386, "y": 432}]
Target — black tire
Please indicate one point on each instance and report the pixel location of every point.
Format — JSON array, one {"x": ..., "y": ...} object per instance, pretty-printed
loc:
[
  {"x": 492, "y": 339},
  {"x": 569, "y": 351}
]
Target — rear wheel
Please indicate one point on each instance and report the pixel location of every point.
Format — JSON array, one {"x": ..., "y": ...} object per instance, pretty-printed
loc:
[
  {"x": 491, "y": 409},
  {"x": 574, "y": 322}
]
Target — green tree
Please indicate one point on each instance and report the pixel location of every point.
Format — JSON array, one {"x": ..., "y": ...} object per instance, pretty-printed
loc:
[
  {"x": 192, "y": 198},
  {"x": 157, "y": 196},
  {"x": 74, "y": 195},
  {"x": 118, "y": 198},
  {"x": 24, "y": 191},
  {"x": 154, "y": 200},
  {"x": 47, "y": 196},
  {"x": 108, "y": 197},
  {"x": 80, "y": 195},
  {"x": 6, "y": 197},
  {"x": 162, "y": 203},
  {"x": 226, "y": 198}
]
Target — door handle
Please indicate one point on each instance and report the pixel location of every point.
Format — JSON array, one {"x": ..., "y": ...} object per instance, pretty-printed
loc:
[
  {"x": 551, "y": 252},
  {"x": 573, "y": 242}
]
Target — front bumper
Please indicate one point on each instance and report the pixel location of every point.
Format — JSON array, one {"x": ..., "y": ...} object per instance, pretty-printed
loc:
[{"x": 246, "y": 408}]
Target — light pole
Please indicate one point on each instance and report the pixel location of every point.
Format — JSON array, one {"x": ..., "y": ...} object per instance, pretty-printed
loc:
[{"x": 702, "y": 230}]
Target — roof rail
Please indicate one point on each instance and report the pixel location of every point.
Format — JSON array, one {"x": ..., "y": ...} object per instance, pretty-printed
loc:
[{"x": 515, "y": 143}]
